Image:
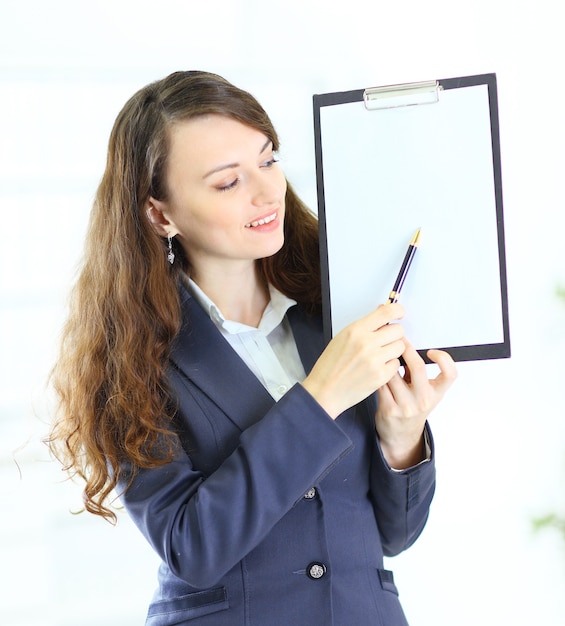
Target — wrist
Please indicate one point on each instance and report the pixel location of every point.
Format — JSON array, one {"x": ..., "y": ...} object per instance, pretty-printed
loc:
[
  {"x": 322, "y": 398},
  {"x": 404, "y": 453}
]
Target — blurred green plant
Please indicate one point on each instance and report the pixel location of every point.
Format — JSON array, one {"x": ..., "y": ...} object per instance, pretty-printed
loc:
[{"x": 550, "y": 521}]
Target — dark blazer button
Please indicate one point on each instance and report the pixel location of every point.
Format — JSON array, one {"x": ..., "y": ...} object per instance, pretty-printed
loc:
[
  {"x": 311, "y": 493},
  {"x": 316, "y": 570}
]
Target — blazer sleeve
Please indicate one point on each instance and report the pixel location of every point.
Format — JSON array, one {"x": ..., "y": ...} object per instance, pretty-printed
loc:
[
  {"x": 401, "y": 499},
  {"x": 202, "y": 527}
]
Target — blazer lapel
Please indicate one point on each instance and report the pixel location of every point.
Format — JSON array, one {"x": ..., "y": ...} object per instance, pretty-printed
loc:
[{"x": 207, "y": 359}]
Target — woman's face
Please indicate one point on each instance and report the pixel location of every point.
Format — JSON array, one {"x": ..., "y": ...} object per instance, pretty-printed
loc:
[{"x": 226, "y": 193}]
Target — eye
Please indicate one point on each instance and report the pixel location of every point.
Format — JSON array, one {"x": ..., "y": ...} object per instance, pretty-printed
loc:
[
  {"x": 270, "y": 162},
  {"x": 228, "y": 186}
]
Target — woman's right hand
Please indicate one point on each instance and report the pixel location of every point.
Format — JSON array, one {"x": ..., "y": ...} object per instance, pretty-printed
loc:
[{"x": 361, "y": 358}]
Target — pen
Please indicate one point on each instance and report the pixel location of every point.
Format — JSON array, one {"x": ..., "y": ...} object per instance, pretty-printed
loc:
[{"x": 412, "y": 247}]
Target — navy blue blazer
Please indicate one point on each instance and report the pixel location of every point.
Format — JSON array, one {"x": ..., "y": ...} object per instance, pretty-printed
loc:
[{"x": 272, "y": 513}]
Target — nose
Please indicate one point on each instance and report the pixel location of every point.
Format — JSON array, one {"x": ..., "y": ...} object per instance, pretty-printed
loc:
[{"x": 268, "y": 187}]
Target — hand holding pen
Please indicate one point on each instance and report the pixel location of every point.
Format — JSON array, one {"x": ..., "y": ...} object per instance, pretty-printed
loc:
[{"x": 365, "y": 357}]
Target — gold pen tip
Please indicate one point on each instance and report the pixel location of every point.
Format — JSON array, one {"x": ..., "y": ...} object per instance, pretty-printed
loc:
[{"x": 416, "y": 238}]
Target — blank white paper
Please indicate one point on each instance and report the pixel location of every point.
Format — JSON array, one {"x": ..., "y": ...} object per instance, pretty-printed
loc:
[{"x": 388, "y": 173}]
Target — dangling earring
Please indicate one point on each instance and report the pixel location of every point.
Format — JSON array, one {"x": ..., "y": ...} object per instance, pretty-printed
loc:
[{"x": 171, "y": 254}]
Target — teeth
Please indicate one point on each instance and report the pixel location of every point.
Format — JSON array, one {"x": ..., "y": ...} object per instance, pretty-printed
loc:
[{"x": 261, "y": 222}]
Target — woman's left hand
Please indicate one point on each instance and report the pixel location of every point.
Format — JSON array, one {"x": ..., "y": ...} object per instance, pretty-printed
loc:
[{"x": 405, "y": 403}]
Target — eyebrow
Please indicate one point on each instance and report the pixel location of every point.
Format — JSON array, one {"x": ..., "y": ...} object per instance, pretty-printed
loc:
[{"x": 228, "y": 166}]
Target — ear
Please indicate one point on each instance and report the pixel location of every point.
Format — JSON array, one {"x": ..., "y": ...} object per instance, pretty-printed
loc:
[{"x": 155, "y": 210}]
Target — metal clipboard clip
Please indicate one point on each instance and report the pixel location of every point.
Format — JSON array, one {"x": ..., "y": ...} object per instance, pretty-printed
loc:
[{"x": 408, "y": 94}]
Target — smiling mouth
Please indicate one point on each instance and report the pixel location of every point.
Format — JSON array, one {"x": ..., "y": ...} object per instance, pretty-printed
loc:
[{"x": 262, "y": 221}]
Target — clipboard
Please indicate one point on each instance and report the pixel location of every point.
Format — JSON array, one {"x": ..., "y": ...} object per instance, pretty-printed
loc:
[{"x": 390, "y": 160}]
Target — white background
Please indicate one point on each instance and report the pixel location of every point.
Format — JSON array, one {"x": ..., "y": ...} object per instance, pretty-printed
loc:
[{"x": 67, "y": 67}]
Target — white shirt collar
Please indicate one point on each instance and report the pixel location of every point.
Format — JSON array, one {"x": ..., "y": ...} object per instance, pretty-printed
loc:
[{"x": 273, "y": 314}]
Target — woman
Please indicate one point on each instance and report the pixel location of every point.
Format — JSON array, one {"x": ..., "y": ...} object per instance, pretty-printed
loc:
[{"x": 193, "y": 379}]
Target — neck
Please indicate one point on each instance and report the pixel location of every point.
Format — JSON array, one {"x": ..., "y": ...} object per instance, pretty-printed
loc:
[{"x": 240, "y": 294}]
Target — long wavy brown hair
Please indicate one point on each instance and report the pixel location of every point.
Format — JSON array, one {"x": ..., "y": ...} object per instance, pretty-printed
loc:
[{"x": 114, "y": 404}]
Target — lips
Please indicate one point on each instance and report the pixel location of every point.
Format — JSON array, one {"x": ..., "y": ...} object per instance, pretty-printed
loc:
[{"x": 262, "y": 220}]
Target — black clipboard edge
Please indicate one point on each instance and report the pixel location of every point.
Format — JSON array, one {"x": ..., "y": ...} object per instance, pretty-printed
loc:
[
  {"x": 318, "y": 102},
  {"x": 459, "y": 353},
  {"x": 479, "y": 352}
]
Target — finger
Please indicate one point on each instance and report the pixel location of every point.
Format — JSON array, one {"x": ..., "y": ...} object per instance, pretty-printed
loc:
[
  {"x": 416, "y": 373},
  {"x": 387, "y": 403},
  {"x": 399, "y": 390},
  {"x": 382, "y": 315},
  {"x": 407, "y": 395},
  {"x": 390, "y": 333},
  {"x": 448, "y": 371}
]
